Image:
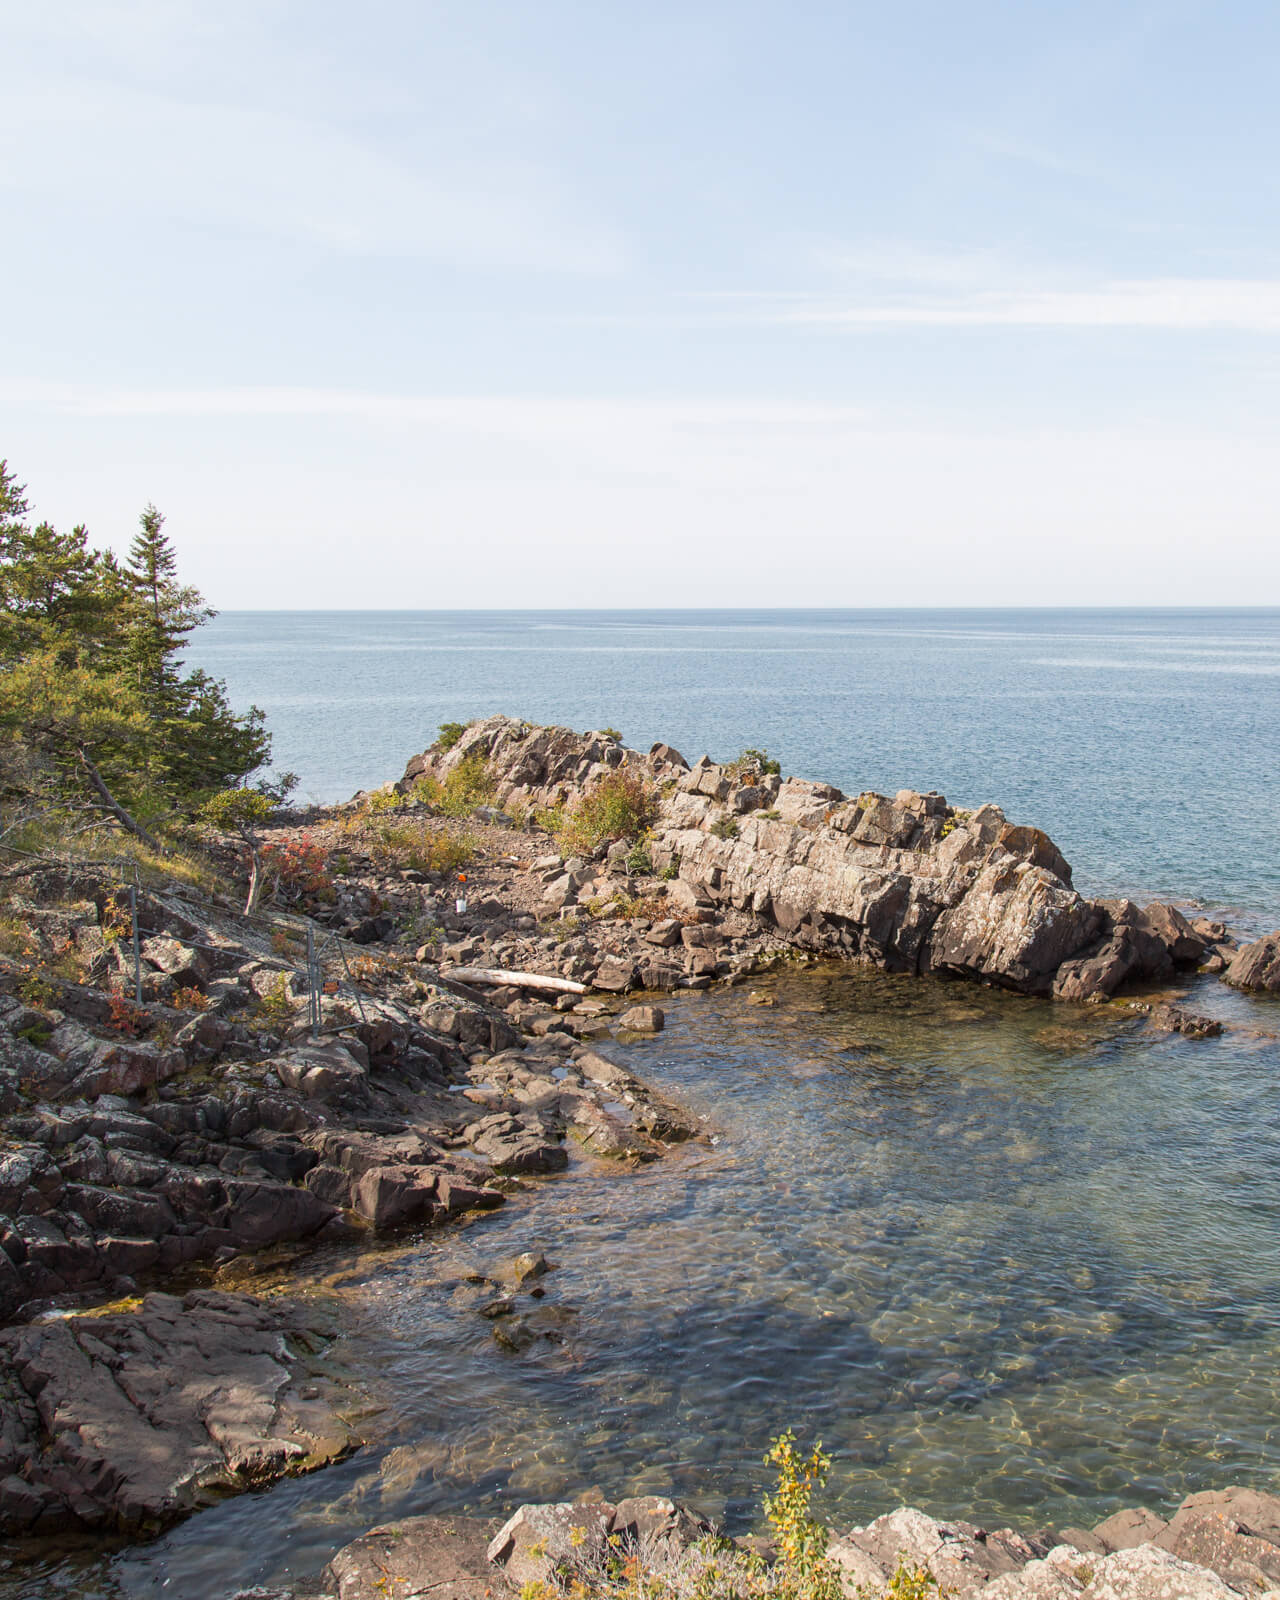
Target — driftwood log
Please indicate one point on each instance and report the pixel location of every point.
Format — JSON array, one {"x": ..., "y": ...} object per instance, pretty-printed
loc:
[{"x": 517, "y": 980}]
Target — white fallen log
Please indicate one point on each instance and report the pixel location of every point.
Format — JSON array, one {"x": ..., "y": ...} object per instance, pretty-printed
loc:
[{"x": 517, "y": 980}]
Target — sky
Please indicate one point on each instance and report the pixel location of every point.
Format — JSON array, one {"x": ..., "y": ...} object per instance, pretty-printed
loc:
[{"x": 468, "y": 305}]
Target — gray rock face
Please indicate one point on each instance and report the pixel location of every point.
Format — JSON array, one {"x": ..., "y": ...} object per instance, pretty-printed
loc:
[
  {"x": 127, "y": 1422},
  {"x": 1218, "y": 1546},
  {"x": 961, "y": 1556}
]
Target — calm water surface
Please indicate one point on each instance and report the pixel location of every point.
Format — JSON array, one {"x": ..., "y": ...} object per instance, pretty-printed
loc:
[{"x": 1004, "y": 1257}]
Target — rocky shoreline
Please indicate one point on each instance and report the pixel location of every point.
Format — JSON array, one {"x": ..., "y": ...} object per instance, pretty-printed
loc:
[
  {"x": 451, "y": 1053},
  {"x": 1219, "y": 1545}
]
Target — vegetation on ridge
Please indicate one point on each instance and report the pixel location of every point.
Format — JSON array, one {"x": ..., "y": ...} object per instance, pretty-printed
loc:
[
  {"x": 620, "y": 806},
  {"x": 100, "y": 719}
]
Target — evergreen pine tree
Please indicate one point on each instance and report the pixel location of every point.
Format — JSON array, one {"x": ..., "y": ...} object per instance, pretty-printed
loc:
[{"x": 91, "y": 671}]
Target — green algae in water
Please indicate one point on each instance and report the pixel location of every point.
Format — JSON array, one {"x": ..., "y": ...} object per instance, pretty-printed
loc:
[{"x": 1006, "y": 1258}]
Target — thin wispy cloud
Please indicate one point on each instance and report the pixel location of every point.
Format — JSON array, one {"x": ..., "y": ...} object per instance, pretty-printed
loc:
[{"x": 1247, "y": 305}]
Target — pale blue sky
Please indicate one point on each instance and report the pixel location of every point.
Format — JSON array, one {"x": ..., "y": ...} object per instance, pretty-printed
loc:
[{"x": 568, "y": 304}]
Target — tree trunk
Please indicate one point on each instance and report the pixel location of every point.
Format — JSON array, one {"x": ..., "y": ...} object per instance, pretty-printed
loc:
[
  {"x": 255, "y": 876},
  {"x": 98, "y": 784}
]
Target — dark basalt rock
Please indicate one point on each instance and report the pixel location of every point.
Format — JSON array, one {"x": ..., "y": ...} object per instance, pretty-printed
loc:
[{"x": 126, "y": 1422}]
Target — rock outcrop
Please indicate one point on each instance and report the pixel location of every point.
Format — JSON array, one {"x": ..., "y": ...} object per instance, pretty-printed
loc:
[
  {"x": 194, "y": 1138},
  {"x": 1256, "y": 965},
  {"x": 909, "y": 883}
]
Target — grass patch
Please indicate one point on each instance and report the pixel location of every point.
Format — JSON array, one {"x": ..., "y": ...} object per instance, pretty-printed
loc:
[
  {"x": 419, "y": 848},
  {"x": 181, "y": 861}
]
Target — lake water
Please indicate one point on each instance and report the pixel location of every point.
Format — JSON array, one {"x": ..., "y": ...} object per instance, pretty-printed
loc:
[{"x": 1004, "y": 1257}]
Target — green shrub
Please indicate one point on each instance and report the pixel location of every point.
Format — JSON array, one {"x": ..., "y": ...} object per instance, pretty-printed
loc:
[
  {"x": 609, "y": 1567},
  {"x": 755, "y": 761},
  {"x": 725, "y": 827},
  {"x": 620, "y": 806},
  {"x": 36, "y": 990},
  {"x": 275, "y": 1007},
  {"x": 551, "y": 819},
  {"x": 383, "y": 801},
  {"x": 450, "y": 733}
]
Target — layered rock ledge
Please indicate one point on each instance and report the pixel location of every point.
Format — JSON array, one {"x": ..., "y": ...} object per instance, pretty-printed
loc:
[{"x": 125, "y": 1422}]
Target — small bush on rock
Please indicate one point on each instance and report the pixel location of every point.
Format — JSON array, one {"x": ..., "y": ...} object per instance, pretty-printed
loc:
[
  {"x": 275, "y": 1007},
  {"x": 450, "y": 733},
  {"x": 640, "y": 863},
  {"x": 757, "y": 762},
  {"x": 620, "y": 806},
  {"x": 297, "y": 870},
  {"x": 657, "y": 1568},
  {"x": 126, "y": 1018}
]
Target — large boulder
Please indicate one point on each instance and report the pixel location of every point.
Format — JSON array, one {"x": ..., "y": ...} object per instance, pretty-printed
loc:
[
  {"x": 1137, "y": 944},
  {"x": 1016, "y": 927},
  {"x": 328, "y": 1073},
  {"x": 389, "y": 1197},
  {"x": 440, "y": 1556}
]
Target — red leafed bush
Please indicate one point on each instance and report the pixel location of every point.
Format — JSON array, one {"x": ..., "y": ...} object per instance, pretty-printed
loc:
[
  {"x": 126, "y": 1018},
  {"x": 297, "y": 870}
]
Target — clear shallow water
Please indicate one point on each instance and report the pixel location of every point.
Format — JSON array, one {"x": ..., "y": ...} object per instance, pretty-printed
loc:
[
  {"x": 1145, "y": 743},
  {"x": 1004, "y": 1257}
]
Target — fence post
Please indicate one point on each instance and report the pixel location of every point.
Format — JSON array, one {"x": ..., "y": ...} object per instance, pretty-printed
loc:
[
  {"x": 137, "y": 948},
  {"x": 313, "y": 981}
]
